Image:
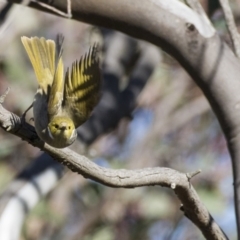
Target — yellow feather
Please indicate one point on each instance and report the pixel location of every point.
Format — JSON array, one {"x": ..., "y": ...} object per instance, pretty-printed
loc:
[
  {"x": 82, "y": 86},
  {"x": 49, "y": 47},
  {"x": 56, "y": 93},
  {"x": 41, "y": 53}
]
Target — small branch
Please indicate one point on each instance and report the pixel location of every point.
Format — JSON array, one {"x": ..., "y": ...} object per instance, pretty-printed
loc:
[
  {"x": 193, "y": 174},
  {"x": 55, "y": 10},
  {"x": 2, "y": 97},
  {"x": 235, "y": 37},
  {"x": 69, "y": 8},
  {"x": 164, "y": 177}
]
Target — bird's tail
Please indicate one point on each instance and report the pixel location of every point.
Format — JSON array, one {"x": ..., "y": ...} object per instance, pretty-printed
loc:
[{"x": 41, "y": 53}]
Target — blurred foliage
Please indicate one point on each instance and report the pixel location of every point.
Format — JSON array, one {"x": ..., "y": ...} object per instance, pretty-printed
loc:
[{"x": 173, "y": 126}]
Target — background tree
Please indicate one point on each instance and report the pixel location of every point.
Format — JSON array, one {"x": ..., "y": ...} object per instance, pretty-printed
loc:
[{"x": 179, "y": 110}]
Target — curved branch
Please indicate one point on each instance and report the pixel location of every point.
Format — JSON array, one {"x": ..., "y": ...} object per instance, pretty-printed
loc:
[{"x": 165, "y": 177}]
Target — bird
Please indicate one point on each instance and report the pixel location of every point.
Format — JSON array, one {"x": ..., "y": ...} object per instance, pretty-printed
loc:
[{"x": 62, "y": 103}]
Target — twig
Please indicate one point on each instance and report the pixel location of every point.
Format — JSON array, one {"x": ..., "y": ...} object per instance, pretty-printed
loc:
[
  {"x": 55, "y": 10},
  {"x": 69, "y": 8},
  {"x": 231, "y": 26},
  {"x": 3, "y": 96},
  {"x": 193, "y": 174}
]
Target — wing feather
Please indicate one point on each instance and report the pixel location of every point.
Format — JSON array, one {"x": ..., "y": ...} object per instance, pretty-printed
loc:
[{"x": 82, "y": 87}]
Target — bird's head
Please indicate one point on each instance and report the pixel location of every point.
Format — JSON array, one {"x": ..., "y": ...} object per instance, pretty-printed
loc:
[{"x": 61, "y": 132}]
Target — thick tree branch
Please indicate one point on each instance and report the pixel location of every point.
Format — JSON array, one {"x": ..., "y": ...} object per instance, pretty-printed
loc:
[{"x": 165, "y": 177}]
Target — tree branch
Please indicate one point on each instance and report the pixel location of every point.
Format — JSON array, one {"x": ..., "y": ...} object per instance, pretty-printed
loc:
[
  {"x": 165, "y": 177},
  {"x": 235, "y": 37}
]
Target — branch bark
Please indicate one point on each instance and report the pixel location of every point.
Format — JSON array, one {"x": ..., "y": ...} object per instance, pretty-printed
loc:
[{"x": 165, "y": 177}]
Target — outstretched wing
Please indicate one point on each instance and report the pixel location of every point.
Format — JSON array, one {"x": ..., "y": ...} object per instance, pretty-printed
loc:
[
  {"x": 41, "y": 53},
  {"x": 82, "y": 87}
]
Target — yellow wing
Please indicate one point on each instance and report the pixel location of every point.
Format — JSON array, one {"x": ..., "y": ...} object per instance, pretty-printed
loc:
[
  {"x": 82, "y": 87},
  {"x": 41, "y": 53}
]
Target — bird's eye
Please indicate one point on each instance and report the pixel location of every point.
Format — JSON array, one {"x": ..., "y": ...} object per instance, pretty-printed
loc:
[
  {"x": 69, "y": 127},
  {"x": 56, "y": 125}
]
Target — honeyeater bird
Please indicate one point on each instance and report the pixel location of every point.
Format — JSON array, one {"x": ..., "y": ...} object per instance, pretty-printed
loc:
[{"x": 62, "y": 103}]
